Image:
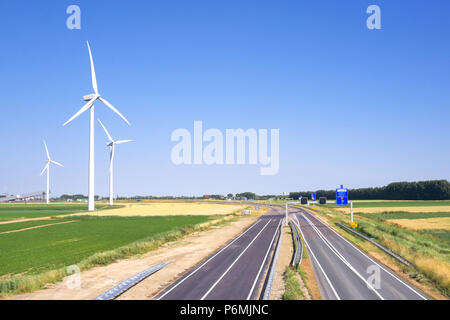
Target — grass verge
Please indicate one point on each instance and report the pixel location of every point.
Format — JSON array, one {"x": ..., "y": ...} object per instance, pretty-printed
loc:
[
  {"x": 293, "y": 290},
  {"x": 427, "y": 251}
]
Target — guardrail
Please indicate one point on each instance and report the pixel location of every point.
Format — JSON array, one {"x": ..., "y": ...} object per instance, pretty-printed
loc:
[
  {"x": 269, "y": 283},
  {"x": 130, "y": 282},
  {"x": 386, "y": 250},
  {"x": 298, "y": 254}
]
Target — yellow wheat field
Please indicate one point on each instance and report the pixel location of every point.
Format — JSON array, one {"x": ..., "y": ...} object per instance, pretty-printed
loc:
[
  {"x": 169, "y": 209},
  {"x": 423, "y": 224}
]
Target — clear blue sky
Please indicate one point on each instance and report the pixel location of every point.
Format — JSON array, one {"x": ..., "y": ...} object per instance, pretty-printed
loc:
[{"x": 354, "y": 106}]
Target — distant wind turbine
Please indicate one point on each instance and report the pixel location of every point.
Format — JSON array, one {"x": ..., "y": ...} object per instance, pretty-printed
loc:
[
  {"x": 47, "y": 167},
  {"x": 111, "y": 144},
  {"x": 91, "y": 98}
]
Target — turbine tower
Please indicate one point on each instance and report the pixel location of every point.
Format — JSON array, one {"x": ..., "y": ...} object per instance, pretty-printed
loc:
[
  {"x": 47, "y": 167},
  {"x": 91, "y": 98},
  {"x": 111, "y": 144}
]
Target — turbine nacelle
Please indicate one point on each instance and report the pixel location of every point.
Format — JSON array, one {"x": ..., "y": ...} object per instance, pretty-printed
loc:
[
  {"x": 49, "y": 160},
  {"x": 112, "y": 142},
  {"x": 89, "y": 97}
]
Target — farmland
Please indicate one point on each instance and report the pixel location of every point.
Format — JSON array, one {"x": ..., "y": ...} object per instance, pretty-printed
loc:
[
  {"x": 35, "y": 252},
  {"x": 55, "y": 246},
  {"x": 380, "y": 206},
  {"x": 171, "y": 208},
  {"x": 36, "y": 210}
]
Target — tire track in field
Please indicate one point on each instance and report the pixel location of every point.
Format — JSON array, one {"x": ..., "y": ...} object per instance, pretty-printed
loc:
[{"x": 36, "y": 227}]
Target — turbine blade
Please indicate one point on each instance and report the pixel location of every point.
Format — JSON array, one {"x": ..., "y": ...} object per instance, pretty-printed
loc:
[
  {"x": 83, "y": 109},
  {"x": 45, "y": 168},
  {"x": 106, "y": 131},
  {"x": 46, "y": 151},
  {"x": 57, "y": 163},
  {"x": 109, "y": 105},
  {"x": 94, "y": 78},
  {"x": 122, "y": 141}
]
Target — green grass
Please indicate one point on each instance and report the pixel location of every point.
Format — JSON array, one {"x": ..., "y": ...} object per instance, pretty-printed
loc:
[
  {"x": 439, "y": 235},
  {"x": 404, "y": 215},
  {"x": 292, "y": 289},
  {"x": 39, "y": 250},
  {"x": 28, "y": 224},
  {"x": 388, "y": 204},
  {"x": 37, "y": 210}
]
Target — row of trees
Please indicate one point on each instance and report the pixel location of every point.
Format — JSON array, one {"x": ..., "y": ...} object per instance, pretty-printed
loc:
[
  {"x": 253, "y": 196},
  {"x": 421, "y": 190}
]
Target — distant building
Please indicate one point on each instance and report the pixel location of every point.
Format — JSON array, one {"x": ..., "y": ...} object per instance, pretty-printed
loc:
[{"x": 28, "y": 197}]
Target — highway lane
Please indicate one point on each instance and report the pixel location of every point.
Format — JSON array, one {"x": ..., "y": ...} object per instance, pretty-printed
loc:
[
  {"x": 345, "y": 272},
  {"x": 233, "y": 272}
]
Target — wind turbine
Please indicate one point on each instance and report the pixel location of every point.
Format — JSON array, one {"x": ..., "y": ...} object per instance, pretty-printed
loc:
[
  {"x": 111, "y": 144},
  {"x": 47, "y": 167},
  {"x": 91, "y": 98}
]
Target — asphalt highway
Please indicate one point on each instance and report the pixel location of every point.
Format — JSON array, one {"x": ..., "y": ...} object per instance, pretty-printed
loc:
[
  {"x": 343, "y": 271},
  {"x": 236, "y": 271}
]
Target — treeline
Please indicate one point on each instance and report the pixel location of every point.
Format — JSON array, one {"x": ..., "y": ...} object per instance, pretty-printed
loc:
[
  {"x": 421, "y": 190},
  {"x": 252, "y": 196}
]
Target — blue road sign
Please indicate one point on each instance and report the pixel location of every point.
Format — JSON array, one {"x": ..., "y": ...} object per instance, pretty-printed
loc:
[
  {"x": 342, "y": 196},
  {"x": 313, "y": 196}
]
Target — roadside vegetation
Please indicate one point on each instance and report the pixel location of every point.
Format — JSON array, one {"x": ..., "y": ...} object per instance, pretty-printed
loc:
[
  {"x": 300, "y": 282},
  {"x": 427, "y": 249},
  {"x": 293, "y": 291}
]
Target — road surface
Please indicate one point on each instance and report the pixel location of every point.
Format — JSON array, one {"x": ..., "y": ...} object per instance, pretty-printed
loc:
[
  {"x": 345, "y": 272},
  {"x": 236, "y": 271}
]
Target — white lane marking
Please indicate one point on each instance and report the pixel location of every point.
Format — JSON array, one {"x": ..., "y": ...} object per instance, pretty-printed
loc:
[
  {"x": 264, "y": 261},
  {"x": 203, "y": 264},
  {"x": 342, "y": 258},
  {"x": 317, "y": 261},
  {"x": 365, "y": 255},
  {"x": 231, "y": 266}
]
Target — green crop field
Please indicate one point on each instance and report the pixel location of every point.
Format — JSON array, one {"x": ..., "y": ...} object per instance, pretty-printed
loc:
[
  {"x": 388, "y": 204},
  {"x": 28, "y": 224},
  {"x": 38, "y": 210},
  {"x": 405, "y": 215},
  {"x": 51, "y": 247}
]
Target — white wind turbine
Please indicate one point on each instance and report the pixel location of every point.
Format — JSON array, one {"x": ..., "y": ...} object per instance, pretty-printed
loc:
[
  {"x": 47, "y": 167},
  {"x": 91, "y": 98},
  {"x": 111, "y": 144}
]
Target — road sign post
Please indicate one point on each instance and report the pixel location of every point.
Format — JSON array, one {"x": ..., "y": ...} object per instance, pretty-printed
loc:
[
  {"x": 286, "y": 222},
  {"x": 351, "y": 210}
]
